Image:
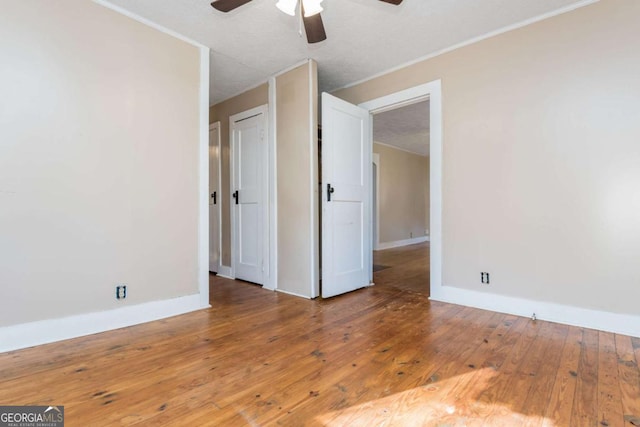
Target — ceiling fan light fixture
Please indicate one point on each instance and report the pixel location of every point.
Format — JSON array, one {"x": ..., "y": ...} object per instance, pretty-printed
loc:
[
  {"x": 311, "y": 7},
  {"x": 287, "y": 6}
]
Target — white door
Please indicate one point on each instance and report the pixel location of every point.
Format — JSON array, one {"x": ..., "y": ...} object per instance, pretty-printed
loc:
[
  {"x": 248, "y": 146},
  {"x": 214, "y": 197},
  {"x": 346, "y": 183}
]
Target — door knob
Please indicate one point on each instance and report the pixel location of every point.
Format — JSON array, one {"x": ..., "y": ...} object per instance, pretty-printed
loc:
[{"x": 235, "y": 196}]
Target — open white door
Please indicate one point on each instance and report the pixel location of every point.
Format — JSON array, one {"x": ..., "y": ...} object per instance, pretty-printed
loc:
[
  {"x": 214, "y": 197},
  {"x": 346, "y": 183},
  {"x": 248, "y": 146}
]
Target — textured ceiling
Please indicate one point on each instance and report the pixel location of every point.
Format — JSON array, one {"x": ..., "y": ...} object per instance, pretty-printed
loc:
[
  {"x": 406, "y": 128},
  {"x": 365, "y": 37}
]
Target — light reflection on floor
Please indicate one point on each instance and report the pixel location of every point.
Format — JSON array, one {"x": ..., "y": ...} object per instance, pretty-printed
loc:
[{"x": 449, "y": 402}]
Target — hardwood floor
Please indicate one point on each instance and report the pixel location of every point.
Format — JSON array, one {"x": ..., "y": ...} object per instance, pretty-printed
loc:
[
  {"x": 378, "y": 356},
  {"x": 407, "y": 268}
]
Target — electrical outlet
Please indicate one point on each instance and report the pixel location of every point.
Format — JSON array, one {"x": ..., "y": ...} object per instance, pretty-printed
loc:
[
  {"x": 121, "y": 291},
  {"x": 484, "y": 278}
]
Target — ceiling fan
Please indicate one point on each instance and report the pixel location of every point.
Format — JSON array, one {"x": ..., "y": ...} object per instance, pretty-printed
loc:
[{"x": 309, "y": 10}]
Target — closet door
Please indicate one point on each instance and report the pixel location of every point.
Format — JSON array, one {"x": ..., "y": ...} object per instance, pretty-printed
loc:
[{"x": 247, "y": 193}]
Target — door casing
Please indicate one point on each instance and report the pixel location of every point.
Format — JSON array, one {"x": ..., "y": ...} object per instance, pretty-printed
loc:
[{"x": 433, "y": 92}]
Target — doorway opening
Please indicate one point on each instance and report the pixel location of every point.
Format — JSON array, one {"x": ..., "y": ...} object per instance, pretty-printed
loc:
[
  {"x": 407, "y": 196},
  {"x": 242, "y": 192},
  {"x": 400, "y": 194}
]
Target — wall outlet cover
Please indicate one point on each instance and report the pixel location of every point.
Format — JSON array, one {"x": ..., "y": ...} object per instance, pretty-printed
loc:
[{"x": 121, "y": 291}]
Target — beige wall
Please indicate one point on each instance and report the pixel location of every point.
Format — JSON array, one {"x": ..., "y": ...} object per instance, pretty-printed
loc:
[
  {"x": 540, "y": 165},
  {"x": 99, "y": 136},
  {"x": 296, "y": 147},
  {"x": 221, "y": 112},
  {"x": 403, "y": 194},
  {"x": 297, "y": 158}
]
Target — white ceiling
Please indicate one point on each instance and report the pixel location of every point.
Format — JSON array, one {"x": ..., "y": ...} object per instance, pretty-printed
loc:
[
  {"x": 406, "y": 128},
  {"x": 365, "y": 37}
]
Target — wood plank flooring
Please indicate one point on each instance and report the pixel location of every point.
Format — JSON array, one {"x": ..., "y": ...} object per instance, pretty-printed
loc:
[
  {"x": 384, "y": 355},
  {"x": 408, "y": 268}
]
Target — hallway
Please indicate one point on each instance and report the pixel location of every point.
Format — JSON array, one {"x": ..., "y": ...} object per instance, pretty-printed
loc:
[{"x": 405, "y": 268}]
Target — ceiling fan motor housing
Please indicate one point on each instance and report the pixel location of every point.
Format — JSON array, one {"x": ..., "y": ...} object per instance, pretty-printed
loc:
[{"x": 310, "y": 10}]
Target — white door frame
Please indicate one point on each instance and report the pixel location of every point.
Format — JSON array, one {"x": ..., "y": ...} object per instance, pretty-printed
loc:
[
  {"x": 216, "y": 227},
  {"x": 375, "y": 159},
  {"x": 271, "y": 221},
  {"x": 433, "y": 92},
  {"x": 265, "y": 220},
  {"x": 223, "y": 270}
]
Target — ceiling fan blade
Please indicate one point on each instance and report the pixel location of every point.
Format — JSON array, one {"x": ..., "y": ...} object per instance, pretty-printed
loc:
[
  {"x": 314, "y": 28},
  {"x": 228, "y": 5},
  {"x": 396, "y": 2}
]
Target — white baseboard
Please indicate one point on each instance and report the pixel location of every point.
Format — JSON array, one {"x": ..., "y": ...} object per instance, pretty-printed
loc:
[
  {"x": 226, "y": 272},
  {"x": 625, "y": 324},
  {"x": 399, "y": 243},
  {"x": 293, "y": 294},
  {"x": 48, "y": 331},
  {"x": 266, "y": 286}
]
